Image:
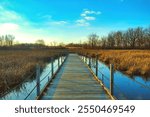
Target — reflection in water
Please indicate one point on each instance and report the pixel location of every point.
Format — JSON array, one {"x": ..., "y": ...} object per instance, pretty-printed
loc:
[
  {"x": 21, "y": 92},
  {"x": 125, "y": 87}
]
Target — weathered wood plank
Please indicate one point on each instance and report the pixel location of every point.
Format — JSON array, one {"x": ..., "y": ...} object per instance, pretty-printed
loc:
[{"x": 74, "y": 81}]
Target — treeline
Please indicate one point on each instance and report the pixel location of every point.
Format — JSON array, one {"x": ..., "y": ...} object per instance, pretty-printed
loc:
[
  {"x": 7, "y": 43},
  {"x": 6, "y": 40},
  {"x": 133, "y": 38},
  {"x": 29, "y": 46}
]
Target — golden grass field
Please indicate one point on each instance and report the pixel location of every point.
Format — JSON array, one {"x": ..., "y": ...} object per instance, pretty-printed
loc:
[
  {"x": 131, "y": 62},
  {"x": 17, "y": 65}
]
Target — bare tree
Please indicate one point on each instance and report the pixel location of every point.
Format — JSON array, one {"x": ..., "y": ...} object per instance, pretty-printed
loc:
[
  {"x": 10, "y": 39},
  {"x": 93, "y": 39},
  {"x": 40, "y": 42},
  {"x": 118, "y": 36},
  {"x": 104, "y": 43},
  {"x": 1, "y": 40},
  {"x": 139, "y": 37},
  {"x": 110, "y": 40},
  {"x": 133, "y": 38},
  {"x": 147, "y": 38}
]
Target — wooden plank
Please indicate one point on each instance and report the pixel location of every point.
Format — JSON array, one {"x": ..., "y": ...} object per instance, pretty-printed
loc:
[
  {"x": 78, "y": 97},
  {"x": 74, "y": 81}
]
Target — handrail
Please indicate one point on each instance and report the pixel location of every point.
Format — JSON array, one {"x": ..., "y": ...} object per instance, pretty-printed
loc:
[
  {"x": 30, "y": 92},
  {"x": 108, "y": 79},
  {"x": 36, "y": 85},
  {"x": 29, "y": 76},
  {"x": 104, "y": 77},
  {"x": 105, "y": 88},
  {"x": 53, "y": 76},
  {"x": 113, "y": 84},
  {"x": 46, "y": 76}
]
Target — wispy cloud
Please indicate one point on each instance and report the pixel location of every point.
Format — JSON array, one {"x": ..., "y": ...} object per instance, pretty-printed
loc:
[
  {"x": 86, "y": 16},
  {"x": 90, "y": 18},
  {"x": 58, "y": 22},
  {"x": 48, "y": 20},
  {"x": 9, "y": 15},
  {"x": 12, "y": 22},
  {"x": 88, "y": 12},
  {"x": 82, "y": 22}
]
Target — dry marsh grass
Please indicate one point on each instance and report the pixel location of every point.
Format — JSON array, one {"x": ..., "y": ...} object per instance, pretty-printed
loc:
[
  {"x": 131, "y": 62},
  {"x": 17, "y": 65}
]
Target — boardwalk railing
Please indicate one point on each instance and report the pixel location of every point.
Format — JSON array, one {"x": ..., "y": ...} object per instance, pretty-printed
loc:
[
  {"x": 42, "y": 83},
  {"x": 107, "y": 82}
]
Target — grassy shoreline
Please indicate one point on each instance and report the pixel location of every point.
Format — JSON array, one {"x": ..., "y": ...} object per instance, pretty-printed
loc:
[
  {"x": 17, "y": 65},
  {"x": 130, "y": 62}
]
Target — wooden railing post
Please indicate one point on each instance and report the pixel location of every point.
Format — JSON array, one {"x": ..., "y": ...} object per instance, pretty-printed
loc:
[
  {"x": 38, "y": 79},
  {"x": 58, "y": 61},
  {"x": 61, "y": 58},
  {"x": 102, "y": 79},
  {"x": 82, "y": 56},
  {"x": 111, "y": 78},
  {"x": 52, "y": 66},
  {"x": 90, "y": 62},
  {"x": 86, "y": 58},
  {"x": 97, "y": 65},
  {"x": 48, "y": 79}
]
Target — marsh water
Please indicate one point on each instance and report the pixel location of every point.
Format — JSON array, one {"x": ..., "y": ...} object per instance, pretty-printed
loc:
[
  {"x": 22, "y": 92},
  {"x": 125, "y": 87}
]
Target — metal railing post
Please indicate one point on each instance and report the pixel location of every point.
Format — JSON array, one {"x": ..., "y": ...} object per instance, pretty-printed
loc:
[
  {"x": 111, "y": 78},
  {"x": 52, "y": 66},
  {"x": 38, "y": 79},
  {"x": 97, "y": 65}
]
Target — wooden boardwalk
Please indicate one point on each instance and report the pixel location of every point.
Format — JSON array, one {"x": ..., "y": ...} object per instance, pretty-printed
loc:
[{"x": 74, "y": 81}]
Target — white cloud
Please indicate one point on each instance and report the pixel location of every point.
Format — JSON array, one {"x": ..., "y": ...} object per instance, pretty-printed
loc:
[
  {"x": 82, "y": 22},
  {"x": 8, "y": 27},
  {"x": 24, "y": 30},
  {"x": 89, "y": 18},
  {"x": 58, "y": 22},
  {"x": 86, "y": 11},
  {"x": 9, "y": 15},
  {"x": 86, "y": 16},
  {"x": 83, "y": 14}
]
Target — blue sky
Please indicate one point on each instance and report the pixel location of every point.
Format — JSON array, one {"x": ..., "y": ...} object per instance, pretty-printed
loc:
[{"x": 70, "y": 20}]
